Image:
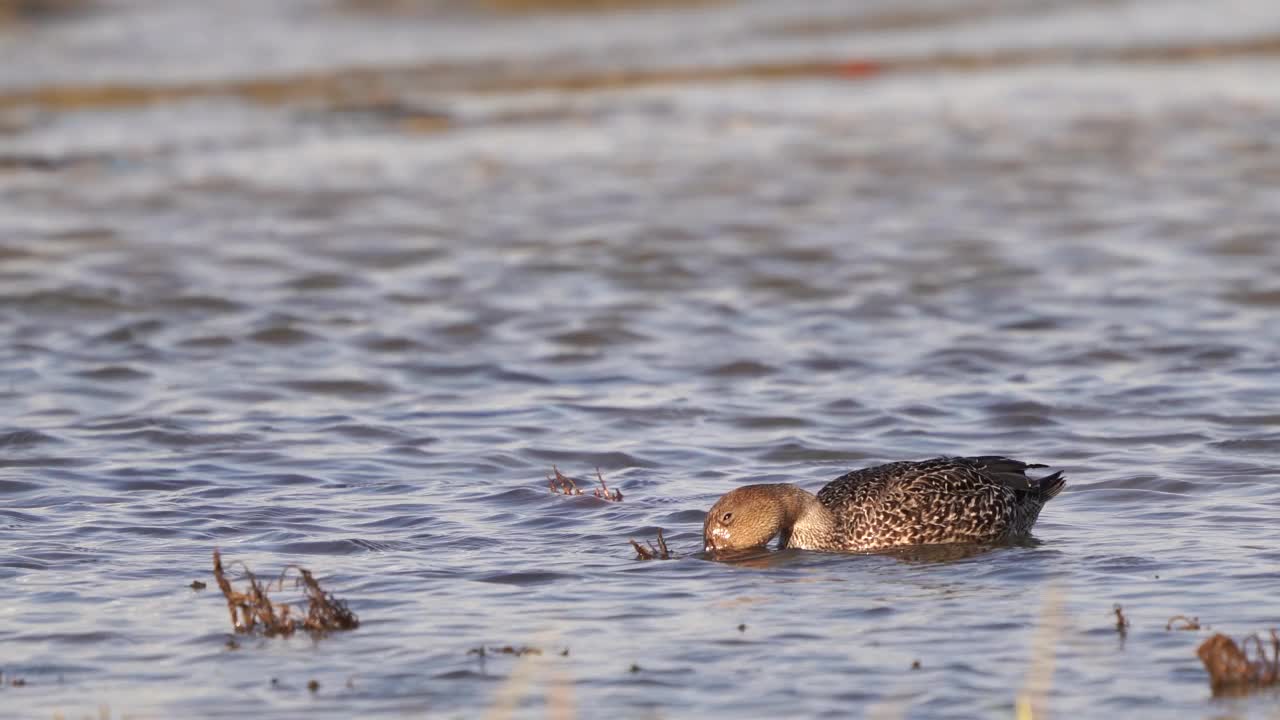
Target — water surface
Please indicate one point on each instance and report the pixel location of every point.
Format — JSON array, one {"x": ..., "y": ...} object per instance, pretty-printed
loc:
[{"x": 355, "y": 329}]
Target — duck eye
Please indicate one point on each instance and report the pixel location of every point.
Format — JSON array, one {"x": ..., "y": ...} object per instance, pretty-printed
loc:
[{"x": 726, "y": 518}]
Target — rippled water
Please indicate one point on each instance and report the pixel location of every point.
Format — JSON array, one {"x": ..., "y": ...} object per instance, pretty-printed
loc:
[{"x": 357, "y": 337}]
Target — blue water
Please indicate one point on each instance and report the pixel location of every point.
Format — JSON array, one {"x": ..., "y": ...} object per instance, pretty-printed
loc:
[{"x": 306, "y": 331}]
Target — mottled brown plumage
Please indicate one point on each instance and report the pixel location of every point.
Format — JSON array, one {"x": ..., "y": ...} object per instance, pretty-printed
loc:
[{"x": 944, "y": 500}]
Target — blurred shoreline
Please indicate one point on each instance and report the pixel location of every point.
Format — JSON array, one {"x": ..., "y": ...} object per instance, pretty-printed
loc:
[{"x": 355, "y": 87}]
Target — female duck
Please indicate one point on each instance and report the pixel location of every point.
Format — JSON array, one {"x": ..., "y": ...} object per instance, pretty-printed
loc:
[{"x": 944, "y": 500}]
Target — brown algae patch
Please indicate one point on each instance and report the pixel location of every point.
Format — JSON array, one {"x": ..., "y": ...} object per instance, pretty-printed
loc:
[{"x": 252, "y": 610}]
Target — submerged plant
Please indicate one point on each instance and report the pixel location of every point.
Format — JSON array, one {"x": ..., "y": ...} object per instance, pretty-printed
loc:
[
  {"x": 520, "y": 651},
  {"x": 562, "y": 484},
  {"x": 661, "y": 552},
  {"x": 1122, "y": 622},
  {"x": 252, "y": 610},
  {"x": 1232, "y": 670},
  {"x": 603, "y": 492}
]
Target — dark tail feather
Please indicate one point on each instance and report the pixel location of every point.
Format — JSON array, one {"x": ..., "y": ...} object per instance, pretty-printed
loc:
[{"x": 1051, "y": 485}]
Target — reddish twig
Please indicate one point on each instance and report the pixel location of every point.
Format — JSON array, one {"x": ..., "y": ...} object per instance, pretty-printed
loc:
[
  {"x": 253, "y": 609},
  {"x": 1122, "y": 622},
  {"x": 562, "y": 484},
  {"x": 1230, "y": 667},
  {"x": 604, "y": 493},
  {"x": 661, "y": 552}
]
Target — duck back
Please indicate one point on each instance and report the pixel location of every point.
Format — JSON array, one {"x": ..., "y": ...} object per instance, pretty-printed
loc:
[{"x": 943, "y": 500}]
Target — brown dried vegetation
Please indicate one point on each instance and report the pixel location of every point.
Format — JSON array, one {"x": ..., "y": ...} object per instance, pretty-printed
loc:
[
  {"x": 1230, "y": 668},
  {"x": 562, "y": 484},
  {"x": 1122, "y": 622},
  {"x": 604, "y": 493},
  {"x": 252, "y": 610},
  {"x": 661, "y": 552},
  {"x": 521, "y": 651},
  {"x": 1182, "y": 622}
]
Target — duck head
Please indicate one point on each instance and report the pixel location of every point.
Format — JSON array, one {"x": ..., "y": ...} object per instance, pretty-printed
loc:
[{"x": 752, "y": 515}]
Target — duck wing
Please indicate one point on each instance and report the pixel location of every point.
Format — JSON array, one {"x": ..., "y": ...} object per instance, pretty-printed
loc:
[
  {"x": 943, "y": 474},
  {"x": 1013, "y": 475},
  {"x": 947, "y": 499}
]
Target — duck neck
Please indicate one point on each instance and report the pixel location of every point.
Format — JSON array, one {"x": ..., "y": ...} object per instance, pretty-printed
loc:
[{"x": 807, "y": 524}]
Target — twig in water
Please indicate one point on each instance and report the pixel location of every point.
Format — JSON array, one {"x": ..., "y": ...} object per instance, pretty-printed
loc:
[
  {"x": 1230, "y": 668},
  {"x": 562, "y": 484},
  {"x": 253, "y": 609},
  {"x": 604, "y": 493},
  {"x": 517, "y": 651},
  {"x": 1122, "y": 622},
  {"x": 1186, "y": 623},
  {"x": 521, "y": 651},
  {"x": 661, "y": 552},
  {"x": 324, "y": 611}
]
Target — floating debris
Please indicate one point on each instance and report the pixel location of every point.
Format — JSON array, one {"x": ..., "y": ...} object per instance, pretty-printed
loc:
[
  {"x": 197, "y": 585},
  {"x": 562, "y": 484},
  {"x": 742, "y": 627},
  {"x": 661, "y": 552},
  {"x": 635, "y": 668},
  {"x": 517, "y": 651},
  {"x": 1230, "y": 668},
  {"x": 1185, "y": 623},
  {"x": 313, "y": 685},
  {"x": 521, "y": 651},
  {"x": 253, "y": 610},
  {"x": 915, "y": 664},
  {"x": 1122, "y": 622},
  {"x": 604, "y": 493}
]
